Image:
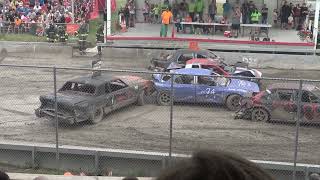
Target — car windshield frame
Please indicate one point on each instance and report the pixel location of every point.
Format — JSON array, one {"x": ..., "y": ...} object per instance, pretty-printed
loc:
[
  {"x": 79, "y": 88},
  {"x": 316, "y": 92}
]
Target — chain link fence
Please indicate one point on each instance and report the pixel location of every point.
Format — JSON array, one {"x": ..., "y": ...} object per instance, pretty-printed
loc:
[{"x": 138, "y": 111}]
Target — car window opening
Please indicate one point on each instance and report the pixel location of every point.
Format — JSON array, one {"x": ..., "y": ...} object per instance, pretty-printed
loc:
[
  {"x": 79, "y": 87},
  {"x": 117, "y": 85}
]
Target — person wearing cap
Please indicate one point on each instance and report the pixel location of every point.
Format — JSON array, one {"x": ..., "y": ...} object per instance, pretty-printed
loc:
[
  {"x": 166, "y": 17},
  {"x": 100, "y": 37}
]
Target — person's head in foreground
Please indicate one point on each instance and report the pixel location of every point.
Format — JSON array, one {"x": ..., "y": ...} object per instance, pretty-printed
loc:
[
  {"x": 4, "y": 176},
  {"x": 214, "y": 165}
]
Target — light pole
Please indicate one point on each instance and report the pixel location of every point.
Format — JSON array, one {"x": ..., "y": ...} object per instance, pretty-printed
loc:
[{"x": 316, "y": 24}]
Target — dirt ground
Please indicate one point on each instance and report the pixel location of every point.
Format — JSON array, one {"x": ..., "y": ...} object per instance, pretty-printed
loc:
[{"x": 147, "y": 127}]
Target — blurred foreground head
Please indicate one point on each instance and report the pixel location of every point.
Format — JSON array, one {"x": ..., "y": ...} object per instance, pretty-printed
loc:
[
  {"x": 4, "y": 176},
  {"x": 214, "y": 165}
]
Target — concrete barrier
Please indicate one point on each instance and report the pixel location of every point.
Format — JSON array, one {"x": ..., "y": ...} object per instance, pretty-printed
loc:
[
  {"x": 35, "y": 50},
  {"x": 255, "y": 60},
  {"x": 22, "y": 176},
  {"x": 121, "y": 162}
]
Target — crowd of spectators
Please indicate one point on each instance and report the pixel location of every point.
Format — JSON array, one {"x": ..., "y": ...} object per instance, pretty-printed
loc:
[{"x": 35, "y": 15}]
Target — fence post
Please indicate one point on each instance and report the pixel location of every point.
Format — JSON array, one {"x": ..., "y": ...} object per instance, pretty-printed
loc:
[
  {"x": 56, "y": 114},
  {"x": 296, "y": 144},
  {"x": 171, "y": 119}
]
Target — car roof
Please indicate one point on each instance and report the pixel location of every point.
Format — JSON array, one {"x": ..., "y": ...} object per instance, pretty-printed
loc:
[
  {"x": 202, "y": 61},
  {"x": 295, "y": 86},
  {"x": 193, "y": 71},
  {"x": 93, "y": 80}
]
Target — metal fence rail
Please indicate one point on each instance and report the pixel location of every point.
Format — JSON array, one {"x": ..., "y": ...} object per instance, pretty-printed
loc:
[{"x": 179, "y": 126}]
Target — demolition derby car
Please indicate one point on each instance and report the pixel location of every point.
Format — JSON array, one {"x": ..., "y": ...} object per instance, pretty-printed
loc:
[
  {"x": 179, "y": 58},
  {"x": 199, "y": 86},
  {"x": 90, "y": 98},
  {"x": 222, "y": 68},
  {"x": 279, "y": 102}
]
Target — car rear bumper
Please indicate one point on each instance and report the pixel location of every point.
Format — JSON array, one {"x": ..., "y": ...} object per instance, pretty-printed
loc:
[{"x": 51, "y": 115}]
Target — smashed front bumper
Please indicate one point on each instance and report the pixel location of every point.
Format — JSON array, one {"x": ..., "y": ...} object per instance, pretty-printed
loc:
[{"x": 63, "y": 118}]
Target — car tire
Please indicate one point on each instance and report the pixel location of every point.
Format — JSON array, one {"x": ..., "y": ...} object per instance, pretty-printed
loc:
[
  {"x": 260, "y": 115},
  {"x": 164, "y": 98},
  {"x": 140, "y": 99},
  {"x": 233, "y": 102},
  {"x": 97, "y": 116}
]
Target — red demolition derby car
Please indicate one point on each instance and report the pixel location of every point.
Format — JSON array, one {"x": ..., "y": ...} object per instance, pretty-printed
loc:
[{"x": 280, "y": 102}]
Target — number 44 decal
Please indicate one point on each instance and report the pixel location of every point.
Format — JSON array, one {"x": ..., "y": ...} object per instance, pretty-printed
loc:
[{"x": 210, "y": 91}]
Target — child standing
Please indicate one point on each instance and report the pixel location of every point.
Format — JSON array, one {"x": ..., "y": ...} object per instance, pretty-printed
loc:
[
  {"x": 156, "y": 12},
  {"x": 290, "y": 22},
  {"x": 275, "y": 17}
]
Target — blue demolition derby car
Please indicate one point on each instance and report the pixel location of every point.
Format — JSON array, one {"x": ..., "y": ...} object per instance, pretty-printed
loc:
[{"x": 199, "y": 86}]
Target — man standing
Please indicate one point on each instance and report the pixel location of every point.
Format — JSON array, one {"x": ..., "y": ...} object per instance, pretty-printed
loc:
[
  {"x": 199, "y": 8},
  {"x": 166, "y": 17},
  {"x": 264, "y": 13},
  {"x": 285, "y": 13},
  {"x": 226, "y": 10},
  {"x": 100, "y": 37},
  {"x": 245, "y": 12},
  {"x": 304, "y": 13},
  {"x": 212, "y": 10},
  {"x": 251, "y": 9},
  {"x": 191, "y": 9},
  {"x": 296, "y": 15}
]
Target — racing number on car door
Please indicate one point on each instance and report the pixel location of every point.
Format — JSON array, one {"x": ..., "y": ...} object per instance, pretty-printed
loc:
[
  {"x": 206, "y": 90},
  {"x": 119, "y": 91}
]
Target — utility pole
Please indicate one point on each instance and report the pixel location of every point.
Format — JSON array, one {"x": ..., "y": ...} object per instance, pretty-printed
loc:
[{"x": 107, "y": 20}]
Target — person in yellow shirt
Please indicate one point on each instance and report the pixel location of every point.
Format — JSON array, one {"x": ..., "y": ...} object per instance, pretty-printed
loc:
[{"x": 166, "y": 17}]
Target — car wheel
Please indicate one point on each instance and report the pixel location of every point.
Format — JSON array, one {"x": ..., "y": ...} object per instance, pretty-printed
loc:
[
  {"x": 164, "y": 98},
  {"x": 233, "y": 102},
  {"x": 97, "y": 116},
  {"x": 140, "y": 100},
  {"x": 260, "y": 114}
]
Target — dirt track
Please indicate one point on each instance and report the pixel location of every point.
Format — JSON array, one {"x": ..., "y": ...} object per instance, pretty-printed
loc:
[{"x": 147, "y": 127}]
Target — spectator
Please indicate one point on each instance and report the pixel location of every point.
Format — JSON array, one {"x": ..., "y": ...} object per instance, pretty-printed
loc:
[
  {"x": 184, "y": 9},
  {"x": 178, "y": 21},
  {"x": 236, "y": 17},
  {"x": 199, "y": 8},
  {"x": 212, "y": 10},
  {"x": 146, "y": 11},
  {"x": 4, "y": 176},
  {"x": 285, "y": 13},
  {"x": 166, "y": 17},
  {"x": 255, "y": 16},
  {"x": 296, "y": 15},
  {"x": 275, "y": 16},
  {"x": 226, "y": 10},
  {"x": 132, "y": 11},
  {"x": 236, "y": 5},
  {"x": 245, "y": 12},
  {"x": 304, "y": 13},
  {"x": 208, "y": 165},
  {"x": 191, "y": 9},
  {"x": 126, "y": 14},
  {"x": 175, "y": 9},
  {"x": 290, "y": 21},
  {"x": 251, "y": 9},
  {"x": 264, "y": 13},
  {"x": 67, "y": 18}
]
